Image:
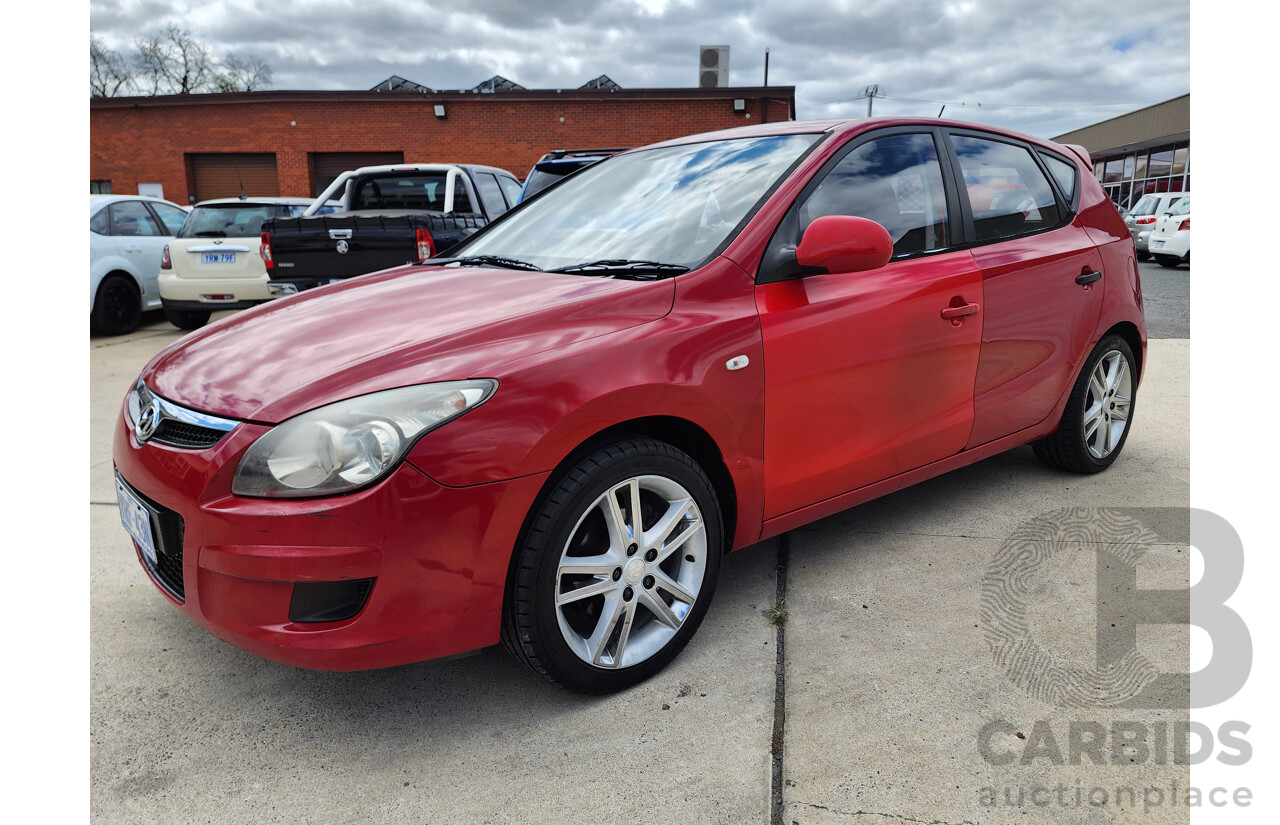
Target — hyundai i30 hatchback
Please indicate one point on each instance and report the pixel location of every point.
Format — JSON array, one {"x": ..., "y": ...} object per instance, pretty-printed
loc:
[{"x": 552, "y": 437}]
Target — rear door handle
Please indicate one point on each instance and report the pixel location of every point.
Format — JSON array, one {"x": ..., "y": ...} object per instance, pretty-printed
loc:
[
  {"x": 951, "y": 313},
  {"x": 1088, "y": 277}
]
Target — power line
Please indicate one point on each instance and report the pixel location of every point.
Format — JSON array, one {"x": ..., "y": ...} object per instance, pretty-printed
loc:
[{"x": 980, "y": 105}]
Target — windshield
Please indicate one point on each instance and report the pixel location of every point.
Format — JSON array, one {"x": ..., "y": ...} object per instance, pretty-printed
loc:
[
  {"x": 1183, "y": 207},
  {"x": 226, "y": 221},
  {"x": 673, "y": 205}
]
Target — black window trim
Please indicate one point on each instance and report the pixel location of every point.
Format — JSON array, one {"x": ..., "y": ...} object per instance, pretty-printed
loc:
[
  {"x": 782, "y": 270},
  {"x": 970, "y": 234}
]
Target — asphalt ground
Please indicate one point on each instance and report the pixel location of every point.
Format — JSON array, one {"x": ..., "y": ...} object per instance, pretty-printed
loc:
[{"x": 880, "y": 697}]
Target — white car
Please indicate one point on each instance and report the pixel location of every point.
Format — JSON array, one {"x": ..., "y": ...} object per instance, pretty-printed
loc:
[
  {"x": 216, "y": 261},
  {"x": 1170, "y": 241},
  {"x": 1142, "y": 218},
  {"x": 127, "y": 236}
]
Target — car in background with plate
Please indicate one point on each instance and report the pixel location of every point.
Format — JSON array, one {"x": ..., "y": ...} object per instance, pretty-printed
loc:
[
  {"x": 215, "y": 263},
  {"x": 1170, "y": 241},
  {"x": 127, "y": 237},
  {"x": 1141, "y": 219}
]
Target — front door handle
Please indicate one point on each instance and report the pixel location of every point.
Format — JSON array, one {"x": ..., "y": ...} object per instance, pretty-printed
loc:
[
  {"x": 1088, "y": 277},
  {"x": 951, "y": 313}
]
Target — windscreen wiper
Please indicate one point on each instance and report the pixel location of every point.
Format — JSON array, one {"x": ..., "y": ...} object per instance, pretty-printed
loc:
[
  {"x": 488, "y": 260},
  {"x": 626, "y": 268}
]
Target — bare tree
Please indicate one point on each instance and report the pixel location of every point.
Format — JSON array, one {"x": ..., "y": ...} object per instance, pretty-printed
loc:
[
  {"x": 174, "y": 62},
  {"x": 243, "y": 74},
  {"x": 109, "y": 73}
]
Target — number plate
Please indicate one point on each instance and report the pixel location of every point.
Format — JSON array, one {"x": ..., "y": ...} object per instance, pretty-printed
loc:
[
  {"x": 136, "y": 519},
  {"x": 1157, "y": 244},
  {"x": 218, "y": 258}
]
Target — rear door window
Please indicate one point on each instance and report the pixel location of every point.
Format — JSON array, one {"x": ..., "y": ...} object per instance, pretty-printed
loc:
[
  {"x": 490, "y": 193},
  {"x": 131, "y": 219},
  {"x": 510, "y": 188},
  {"x": 1007, "y": 192},
  {"x": 99, "y": 223}
]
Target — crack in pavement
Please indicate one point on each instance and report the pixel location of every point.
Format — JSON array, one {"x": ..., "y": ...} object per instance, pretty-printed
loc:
[
  {"x": 898, "y": 817},
  {"x": 778, "y": 740}
]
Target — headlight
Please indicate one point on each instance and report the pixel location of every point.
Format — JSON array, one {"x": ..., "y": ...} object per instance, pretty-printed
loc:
[{"x": 347, "y": 445}]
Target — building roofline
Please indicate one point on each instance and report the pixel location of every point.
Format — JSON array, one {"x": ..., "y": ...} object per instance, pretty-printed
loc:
[
  {"x": 442, "y": 96},
  {"x": 1120, "y": 117}
]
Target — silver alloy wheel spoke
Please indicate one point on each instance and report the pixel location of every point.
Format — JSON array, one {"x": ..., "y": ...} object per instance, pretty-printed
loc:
[
  {"x": 661, "y": 610},
  {"x": 1108, "y": 399},
  {"x": 594, "y": 588},
  {"x": 599, "y": 598},
  {"x": 666, "y": 584}
]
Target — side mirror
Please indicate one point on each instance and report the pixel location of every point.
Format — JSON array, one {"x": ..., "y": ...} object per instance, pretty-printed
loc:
[{"x": 842, "y": 243}]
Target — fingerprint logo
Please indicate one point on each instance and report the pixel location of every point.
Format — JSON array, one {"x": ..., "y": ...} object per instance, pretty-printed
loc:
[{"x": 1121, "y": 675}]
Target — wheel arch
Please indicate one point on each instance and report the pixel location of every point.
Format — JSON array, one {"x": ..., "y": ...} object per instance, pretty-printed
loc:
[
  {"x": 680, "y": 433},
  {"x": 1129, "y": 332},
  {"x": 113, "y": 273}
]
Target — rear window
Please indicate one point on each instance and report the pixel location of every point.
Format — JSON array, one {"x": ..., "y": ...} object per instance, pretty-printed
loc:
[
  {"x": 420, "y": 191},
  {"x": 1183, "y": 207},
  {"x": 540, "y": 179},
  {"x": 231, "y": 220},
  {"x": 1146, "y": 206}
]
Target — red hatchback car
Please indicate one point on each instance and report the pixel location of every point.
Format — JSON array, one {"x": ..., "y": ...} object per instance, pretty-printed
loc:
[{"x": 554, "y": 436}]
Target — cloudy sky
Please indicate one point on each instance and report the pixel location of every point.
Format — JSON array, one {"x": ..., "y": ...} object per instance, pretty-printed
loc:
[{"x": 1043, "y": 68}]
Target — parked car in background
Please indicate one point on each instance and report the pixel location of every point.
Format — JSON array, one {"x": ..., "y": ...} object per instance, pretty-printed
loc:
[
  {"x": 1170, "y": 241},
  {"x": 552, "y": 437},
  {"x": 127, "y": 235},
  {"x": 215, "y": 262},
  {"x": 1142, "y": 218},
  {"x": 390, "y": 215},
  {"x": 554, "y": 166}
]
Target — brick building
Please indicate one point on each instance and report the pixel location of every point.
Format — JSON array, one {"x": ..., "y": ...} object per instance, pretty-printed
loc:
[{"x": 203, "y": 146}]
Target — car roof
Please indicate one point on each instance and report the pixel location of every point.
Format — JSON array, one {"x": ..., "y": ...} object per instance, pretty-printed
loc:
[
  {"x": 269, "y": 201},
  {"x": 849, "y": 126},
  {"x": 97, "y": 201}
]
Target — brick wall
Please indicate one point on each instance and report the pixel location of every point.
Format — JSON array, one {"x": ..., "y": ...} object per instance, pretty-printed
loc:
[{"x": 135, "y": 140}]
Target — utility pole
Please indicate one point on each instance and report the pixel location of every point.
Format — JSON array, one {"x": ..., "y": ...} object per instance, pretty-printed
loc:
[
  {"x": 871, "y": 93},
  {"x": 764, "y": 104}
]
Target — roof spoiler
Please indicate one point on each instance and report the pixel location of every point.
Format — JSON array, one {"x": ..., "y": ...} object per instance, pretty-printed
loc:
[{"x": 1082, "y": 152}]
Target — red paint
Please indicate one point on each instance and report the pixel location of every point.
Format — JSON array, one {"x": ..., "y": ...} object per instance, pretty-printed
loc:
[{"x": 858, "y": 383}]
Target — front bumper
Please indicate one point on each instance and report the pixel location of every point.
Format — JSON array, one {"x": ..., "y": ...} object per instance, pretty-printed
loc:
[{"x": 437, "y": 556}]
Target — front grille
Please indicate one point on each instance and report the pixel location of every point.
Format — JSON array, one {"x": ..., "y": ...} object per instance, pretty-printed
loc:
[
  {"x": 180, "y": 434},
  {"x": 168, "y": 530}
]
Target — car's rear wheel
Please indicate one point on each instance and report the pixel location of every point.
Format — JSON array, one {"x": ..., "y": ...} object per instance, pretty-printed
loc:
[
  {"x": 1144, "y": 256},
  {"x": 1097, "y": 418},
  {"x": 187, "y": 318},
  {"x": 1168, "y": 261},
  {"x": 617, "y": 568},
  {"x": 117, "y": 308}
]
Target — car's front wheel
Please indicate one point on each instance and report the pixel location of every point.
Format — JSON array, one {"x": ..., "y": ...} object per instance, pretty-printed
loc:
[
  {"x": 1097, "y": 418},
  {"x": 617, "y": 568}
]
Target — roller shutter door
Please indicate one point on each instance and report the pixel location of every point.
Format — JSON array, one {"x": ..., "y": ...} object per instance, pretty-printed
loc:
[
  {"x": 221, "y": 176},
  {"x": 326, "y": 166}
]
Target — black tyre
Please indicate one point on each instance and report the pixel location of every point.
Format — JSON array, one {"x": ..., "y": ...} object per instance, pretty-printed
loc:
[
  {"x": 598, "y": 604},
  {"x": 187, "y": 318},
  {"x": 1168, "y": 261},
  {"x": 1144, "y": 256},
  {"x": 117, "y": 308},
  {"x": 1099, "y": 414}
]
